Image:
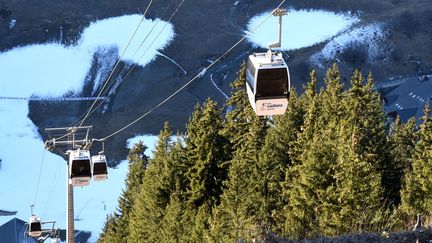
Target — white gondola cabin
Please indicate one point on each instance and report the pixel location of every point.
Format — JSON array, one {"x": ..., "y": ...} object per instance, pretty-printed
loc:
[
  {"x": 99, "y": 167},
  {"x": 34, "y": 227},
  {"x": 268, "y": 83},
  {"x": 79, "y": 167}
]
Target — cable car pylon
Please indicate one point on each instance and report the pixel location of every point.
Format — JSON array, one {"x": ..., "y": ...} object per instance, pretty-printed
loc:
[
  {"x": 268, "y": 82},
  {"x": 81, "y": 165}
]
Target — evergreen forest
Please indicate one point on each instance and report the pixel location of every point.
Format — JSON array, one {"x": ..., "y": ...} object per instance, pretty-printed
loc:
[{"x": 331, "y": 165}]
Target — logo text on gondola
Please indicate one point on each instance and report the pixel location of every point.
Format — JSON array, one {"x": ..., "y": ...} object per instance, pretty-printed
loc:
[{"x": 270, "y": 106}]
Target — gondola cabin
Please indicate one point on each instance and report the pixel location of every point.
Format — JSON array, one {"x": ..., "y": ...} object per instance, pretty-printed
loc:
[
  {"x": 34, "y": 227},
  {"x": 268, "y": 83},
  {"x": 99, "y": 167},
  {"x": 79, "y": 167}
]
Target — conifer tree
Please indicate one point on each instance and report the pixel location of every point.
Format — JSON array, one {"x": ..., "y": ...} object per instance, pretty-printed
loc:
[
  {"x": 155, "y": 193},
  {"x": 357, "y": 190},
  {"x": 117, "y": 225},
  {"x": 323, "y": 153},
  {"x": 361, "y": 149},
  {"x": 173, "y": 225},
  {"x": 109, "y": 231},
  {"x": 300, "y": 219},
  {"x": 246, "y": 133},
  {"x": 337, "y": 159},
  {"x": 275, "y": 158},
  {"x": 402, "y": 139},
  {"x": 207, "y": 151},
  {"x": 206, "y": 154},
  {"x": 365, "y": 113},
  {"x": 331, "y": 100},
  {"x": 240, "y": 113},
  {"x": 199, "y": 220},
  {"x": 138, "y": 163},
  {"x": 304, "y": 103},
  {"x": 237, "y": 217},
  {"x": 416, "y": 194},
  {"x": 293, "y": 213}
]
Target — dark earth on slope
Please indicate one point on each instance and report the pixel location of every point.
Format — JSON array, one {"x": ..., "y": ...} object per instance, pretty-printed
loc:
[{"x": 204, "y": 30}]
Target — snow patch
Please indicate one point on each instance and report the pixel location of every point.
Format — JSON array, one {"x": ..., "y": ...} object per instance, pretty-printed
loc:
[
  {"x": 300, "y": 28},
  {"x": 202, "y": 73},
  {"x": 371, "y": 37},
  {"x": 53, "y": 69},
  {"x": 43, "y": 70},
  {"x": 217, "y": 87},
  {"x": 172, "y": 60},
  {"x": 117, "y": 32},
  {"x": 105, "y": 59},
  {"x": 12, "y": 24}
]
